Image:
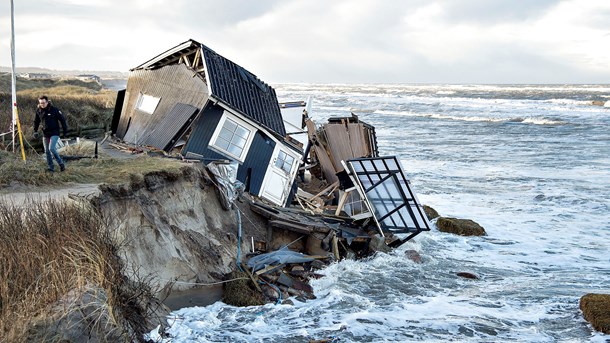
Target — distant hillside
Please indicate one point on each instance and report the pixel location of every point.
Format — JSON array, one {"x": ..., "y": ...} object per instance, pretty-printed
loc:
[
  {"x": 101, "y": 73},
  {"x": 23, "y": 83}
]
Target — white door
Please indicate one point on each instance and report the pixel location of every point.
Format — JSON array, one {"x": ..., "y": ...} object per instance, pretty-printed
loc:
[{"x": 279, "y": 176}]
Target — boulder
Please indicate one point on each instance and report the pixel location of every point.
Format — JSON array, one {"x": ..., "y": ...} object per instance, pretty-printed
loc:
[
  {"x": 378, "y": 244},
  {"x": 462, "y": 227},
  {"x": 596, "y": 310},
  {"x": 430, "y": 212},
  {"x": 413, "y": 256},
  {"x": 467, "y": 275},
  {"x": 240, "y": 291}
]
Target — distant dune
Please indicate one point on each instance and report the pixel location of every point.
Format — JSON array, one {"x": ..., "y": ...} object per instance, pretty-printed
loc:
[{"x": 101, "y": 73}]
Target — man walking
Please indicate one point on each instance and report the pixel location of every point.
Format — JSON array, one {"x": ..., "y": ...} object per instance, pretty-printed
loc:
[{"x": 51, "y": 118}]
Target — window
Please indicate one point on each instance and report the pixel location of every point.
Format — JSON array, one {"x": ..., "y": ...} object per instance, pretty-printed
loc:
[
  {"x": 147, "y": 103},
  {"x": 284, "y": 161},
  {"x": 233, "y": 138}
]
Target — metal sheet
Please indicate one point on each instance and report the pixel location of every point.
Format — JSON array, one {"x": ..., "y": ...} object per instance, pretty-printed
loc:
[{"x": 162, "y": 136}]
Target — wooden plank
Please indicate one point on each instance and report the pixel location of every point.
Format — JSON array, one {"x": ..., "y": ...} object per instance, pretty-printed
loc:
[
  {"x": 264, "y": 211},
  {"x": 342, "y": 201},
  {"x": 268, "y": 269},
  {"x": 328, "y": 169},
  {"x": 186, "y": 60},
  {"x": 196, "y": 59},
  {"x": 335, "y": 245},
  {"x": 357, "y": 140},
  {"x": 337, "y": 141},
  {"x": 294, "y": 227},
  {"x": 328, "y": 189}
]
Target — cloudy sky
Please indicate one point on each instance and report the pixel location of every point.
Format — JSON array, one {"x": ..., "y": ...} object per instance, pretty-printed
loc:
[{"x": 351, "y": 41}]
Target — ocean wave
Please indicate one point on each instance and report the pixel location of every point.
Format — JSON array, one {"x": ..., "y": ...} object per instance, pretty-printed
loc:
[{"x": 524, "y": 120}]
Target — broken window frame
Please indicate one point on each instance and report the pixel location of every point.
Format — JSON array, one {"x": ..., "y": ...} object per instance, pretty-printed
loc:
[
  {"x": 388, "y": 212},
  {"x": 147, "y": 103},
  {"x": 214, "y": 141}
]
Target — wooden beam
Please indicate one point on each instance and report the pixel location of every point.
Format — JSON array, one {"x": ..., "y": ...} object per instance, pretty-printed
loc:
[
  {"x": 196, "y": 59},
  {"x": 186, "y": 60}
]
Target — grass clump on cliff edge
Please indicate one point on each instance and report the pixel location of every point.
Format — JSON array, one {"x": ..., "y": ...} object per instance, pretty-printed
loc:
[
  {"x": 48, "y": 250},
  {"x": 88, "y": 170}
]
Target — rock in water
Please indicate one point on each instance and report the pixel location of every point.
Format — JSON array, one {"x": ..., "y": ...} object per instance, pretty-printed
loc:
[
  {"x": 430, "y": 212},
  {"x": 462, "y": 227},
  {"x": 467, "y": 275},
  {"x": 413, "y": 256},
  {"x": 596, "y": 310}
]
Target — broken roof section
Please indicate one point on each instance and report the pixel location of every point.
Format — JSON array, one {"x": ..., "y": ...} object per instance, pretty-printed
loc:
[
  {"x": 386, "y": 190},
  {"x": 227, "y": 82}
]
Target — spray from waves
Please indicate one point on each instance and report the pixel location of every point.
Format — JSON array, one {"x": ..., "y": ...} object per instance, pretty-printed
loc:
[{"x": 524, "y": 120}]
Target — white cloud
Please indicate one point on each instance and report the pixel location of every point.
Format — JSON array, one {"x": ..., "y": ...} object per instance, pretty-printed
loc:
[{"x": 338, "y": 41}]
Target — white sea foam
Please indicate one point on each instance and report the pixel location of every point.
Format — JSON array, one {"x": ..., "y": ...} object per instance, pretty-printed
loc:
[{"x": 536, "y": 178}]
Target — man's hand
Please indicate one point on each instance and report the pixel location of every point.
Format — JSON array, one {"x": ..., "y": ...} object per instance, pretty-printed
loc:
[{"x": 36, "y": 135}]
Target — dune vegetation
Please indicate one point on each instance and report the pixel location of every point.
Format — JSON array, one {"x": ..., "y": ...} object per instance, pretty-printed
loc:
[{"x": 55, "y": 252}]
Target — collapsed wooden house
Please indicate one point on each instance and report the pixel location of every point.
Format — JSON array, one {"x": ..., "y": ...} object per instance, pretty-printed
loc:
[
  {"x": 369, "y": 187},
  {"x": 193, "y": 99}
]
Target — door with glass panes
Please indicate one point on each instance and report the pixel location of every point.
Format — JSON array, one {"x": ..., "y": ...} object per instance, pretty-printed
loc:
[{"x": 278, "y": 178}]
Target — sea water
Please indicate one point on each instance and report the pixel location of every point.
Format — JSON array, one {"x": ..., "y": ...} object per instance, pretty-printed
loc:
[{"x": 530, "y": 163}]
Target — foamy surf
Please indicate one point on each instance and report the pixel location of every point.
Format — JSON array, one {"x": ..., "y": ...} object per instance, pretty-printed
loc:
[{"x": 528, "y": 162}]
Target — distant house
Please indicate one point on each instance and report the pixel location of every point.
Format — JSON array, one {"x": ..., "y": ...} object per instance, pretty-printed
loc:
[
  {"x": 194, "y": 99},
  {"x": 88, "y": 77},
  {"x": 37, "y": 76}
]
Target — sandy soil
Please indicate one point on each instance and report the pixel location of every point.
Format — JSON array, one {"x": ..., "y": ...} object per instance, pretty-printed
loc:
[{"x": 21, "y": 195}]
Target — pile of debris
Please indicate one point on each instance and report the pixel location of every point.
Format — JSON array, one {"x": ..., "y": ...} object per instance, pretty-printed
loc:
[{"x": 355, "y": 204}]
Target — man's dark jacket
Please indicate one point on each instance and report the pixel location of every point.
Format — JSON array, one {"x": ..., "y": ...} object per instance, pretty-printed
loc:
[{"x": 50, "y": 117}]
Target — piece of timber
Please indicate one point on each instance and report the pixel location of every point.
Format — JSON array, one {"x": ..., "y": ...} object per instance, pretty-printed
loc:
[{"x": 294, "y": 227}]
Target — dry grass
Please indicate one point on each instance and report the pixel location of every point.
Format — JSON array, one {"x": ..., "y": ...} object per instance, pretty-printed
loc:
[
  {"x": 89, "y": 170},
  {"x": 81, "y": 104},
  {"x": 50, "y": 249}
]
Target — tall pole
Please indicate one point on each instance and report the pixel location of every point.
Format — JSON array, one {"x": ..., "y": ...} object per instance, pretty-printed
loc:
[{"x": 14, "y": 77}]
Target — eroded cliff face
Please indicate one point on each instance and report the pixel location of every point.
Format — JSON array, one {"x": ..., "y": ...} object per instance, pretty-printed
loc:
[{"x": 170, "y": 227}]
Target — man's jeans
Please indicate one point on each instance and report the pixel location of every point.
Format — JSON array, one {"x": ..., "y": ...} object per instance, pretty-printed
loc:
[{"x": 50, "y": 147}]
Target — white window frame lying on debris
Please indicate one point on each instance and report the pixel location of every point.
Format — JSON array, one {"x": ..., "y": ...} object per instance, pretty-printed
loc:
[
  {"x": 147, "y": 103},
  {"x": 229, "y": 119}
]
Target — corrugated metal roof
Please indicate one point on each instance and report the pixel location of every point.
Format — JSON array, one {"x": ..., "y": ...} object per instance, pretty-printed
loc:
[
  {"x": 243, "y": 91},
  {"x": 230, "y": 84}
]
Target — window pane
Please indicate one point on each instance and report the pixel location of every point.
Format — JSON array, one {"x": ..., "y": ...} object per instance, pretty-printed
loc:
[
  {"x": 235, "y": 150},
  {"x": 242, "y": 132},
  {"x": 229, "y": 125},
  {"x": 226, "y": 135},
  {"x": 289, "y": 159},
  {"x": 223, "y": 144},
  {"x": 240, "y": 142},
  {"x": 281, "y": 155},
  {"x": 147, "y": 103}
]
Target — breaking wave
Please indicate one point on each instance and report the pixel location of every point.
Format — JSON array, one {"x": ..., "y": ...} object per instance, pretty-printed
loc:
[{"x": 525, "y": 120}]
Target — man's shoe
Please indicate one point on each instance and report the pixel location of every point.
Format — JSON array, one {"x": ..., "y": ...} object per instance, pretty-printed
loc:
[
  {"x": 62, "y": 167},
  {"x": 50, "y": 171}
]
